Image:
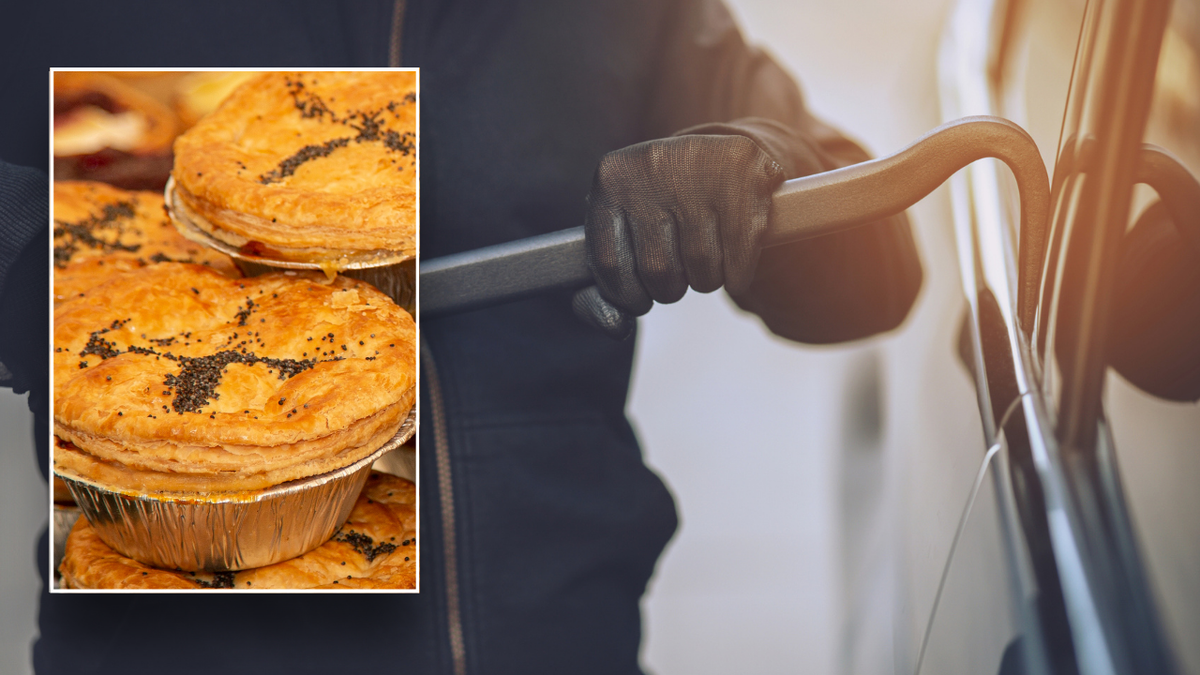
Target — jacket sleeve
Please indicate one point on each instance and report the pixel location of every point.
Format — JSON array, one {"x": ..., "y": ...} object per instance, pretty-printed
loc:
[
  {"x": 835, "y": 288},
  {"x": 24, "y": 283}
]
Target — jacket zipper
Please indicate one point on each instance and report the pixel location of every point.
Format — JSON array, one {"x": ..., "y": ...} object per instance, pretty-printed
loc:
[
  {"x": 458, "y": 651},
  {"x": 397, "y": 33}
]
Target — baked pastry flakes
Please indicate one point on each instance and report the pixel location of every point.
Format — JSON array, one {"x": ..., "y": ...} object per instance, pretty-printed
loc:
[
  {"x": 312, "y": 167},
  {"x": 108, "y": 131},
  {"x": 100, "y": 231},
  {"x": 375, "y": 548},
  {"x": 177, "y": 379}
]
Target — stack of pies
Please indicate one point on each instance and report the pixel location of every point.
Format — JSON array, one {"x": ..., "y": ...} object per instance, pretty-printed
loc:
[
  {"x": 179, "y": 382},
  {"x": 375, "y": 548}
]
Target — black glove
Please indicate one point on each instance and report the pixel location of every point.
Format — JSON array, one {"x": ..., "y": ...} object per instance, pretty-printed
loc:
[{"x": 667, "y": 214}]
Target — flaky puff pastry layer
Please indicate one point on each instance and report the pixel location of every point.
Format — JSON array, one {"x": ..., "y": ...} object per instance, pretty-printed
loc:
[
  {"x": 366, "y": 437},
  {"x": 101, "y": 230},
  {"x": 312, "y": 166},
  {"x": 181, "y": 372},
  {"x": 375, "y": 548}
]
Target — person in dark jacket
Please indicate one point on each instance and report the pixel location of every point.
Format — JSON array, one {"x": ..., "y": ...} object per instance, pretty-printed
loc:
[{"x": 540, "y": 523}]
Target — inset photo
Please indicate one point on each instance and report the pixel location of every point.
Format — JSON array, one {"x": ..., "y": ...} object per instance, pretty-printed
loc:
[{"x": 234, "y": 372}]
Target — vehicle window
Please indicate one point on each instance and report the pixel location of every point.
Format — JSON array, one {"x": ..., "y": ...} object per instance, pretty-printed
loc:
[
  {"x": 1116, "y": 366},
  {"x": 1119, "y": 317}
]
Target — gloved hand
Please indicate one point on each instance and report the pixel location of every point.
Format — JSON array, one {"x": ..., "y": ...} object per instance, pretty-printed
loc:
[{"x": 671, "y": 213}]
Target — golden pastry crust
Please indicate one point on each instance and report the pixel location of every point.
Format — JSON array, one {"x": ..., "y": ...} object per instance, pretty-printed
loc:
[
  {"x": 175, "y": 378},
  {"x": 307, "y": 166},
  {"x": 101, "y": 231},
  {"x": 375, "y": 548},
  {"x": 101, "y": 465}
]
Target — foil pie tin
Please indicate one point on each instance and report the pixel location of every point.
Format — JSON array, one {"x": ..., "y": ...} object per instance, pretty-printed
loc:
[
  {"x": 228, "y": 532},
  {"x": 394, "y": 276}
]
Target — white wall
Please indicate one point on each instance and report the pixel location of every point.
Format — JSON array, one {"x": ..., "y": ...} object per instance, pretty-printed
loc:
[{"x": 786, "y": 496}]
